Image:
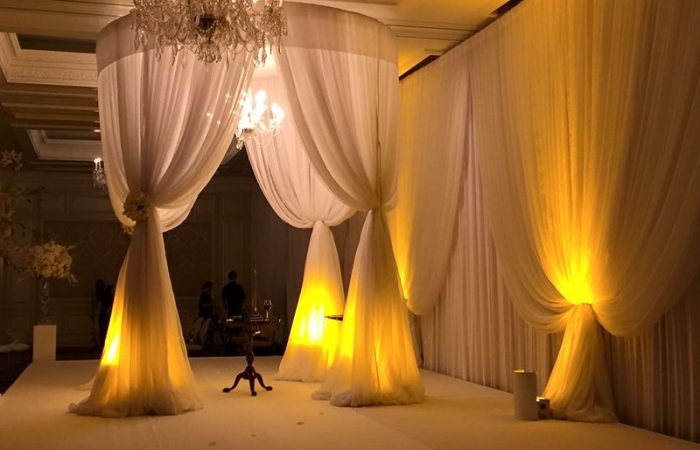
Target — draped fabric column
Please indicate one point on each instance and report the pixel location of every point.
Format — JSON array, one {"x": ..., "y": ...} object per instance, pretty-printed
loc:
[
  {"x": 299, "y": 197},
  {"x": 340, "y": 72},
  {"x": 166, "y": 126},
  {"x": 584, "y": 116}
]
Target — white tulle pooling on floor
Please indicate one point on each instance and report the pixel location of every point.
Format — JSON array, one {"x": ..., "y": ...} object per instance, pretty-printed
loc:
[
  {"x": 341, "y": 76},
  {"x": 313, "y": 339},
  {"x": 166, "y": 126},
  {"x": 143, "y": 369},
  {"x": 300, "y": 198},
  {"x": 376, "y": 362}
]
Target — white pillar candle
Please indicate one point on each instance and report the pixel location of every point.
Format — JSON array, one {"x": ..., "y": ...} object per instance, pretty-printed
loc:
[{"x": 525, "y": 395}]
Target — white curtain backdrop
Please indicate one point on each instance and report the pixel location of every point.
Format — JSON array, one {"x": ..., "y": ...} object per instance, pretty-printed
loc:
[
  {"x": 432, "y": 144},
  {"x": 474, "y": 333},
  {"x": 166, "y": 127},
  {"x": 300, "y": 198},
  {"x": 592, "y": 206},
  {"x": 655, "y": 375},
  {"x": 340, "y": 72}
]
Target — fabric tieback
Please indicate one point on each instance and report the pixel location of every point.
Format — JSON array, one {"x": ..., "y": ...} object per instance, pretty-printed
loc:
[{"x": 137, "y": 206}]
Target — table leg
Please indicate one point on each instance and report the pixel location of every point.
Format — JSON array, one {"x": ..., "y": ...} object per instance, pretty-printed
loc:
[{"x": 249, "y": 372}]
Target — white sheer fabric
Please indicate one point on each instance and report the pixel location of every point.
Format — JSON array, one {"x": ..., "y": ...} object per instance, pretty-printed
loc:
[
  {"x": 656, "y": 376},
  {"x": 475, "y": 334},
  {"x": 340, "y": 72},
  {"x": 165, "y": 129},
  {"x": 432, "y": 144},
  {"x": 590, "y": 203},
  {"x": 299, "y": 197}
]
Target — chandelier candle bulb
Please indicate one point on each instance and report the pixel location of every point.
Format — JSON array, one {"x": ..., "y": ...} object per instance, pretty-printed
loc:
[
  {"x": 256, "y": 118},
  {"x": 98, "y": 174},
  {"x": 525, "y": 395}
]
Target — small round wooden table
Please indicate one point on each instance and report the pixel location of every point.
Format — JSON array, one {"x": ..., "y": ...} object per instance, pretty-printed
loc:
[{"x": 252, "y": 327}]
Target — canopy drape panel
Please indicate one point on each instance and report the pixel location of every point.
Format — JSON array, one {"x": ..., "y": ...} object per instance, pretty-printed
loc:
[
  {"x": 340, "y": 72},
  {"x": 430, "y": 170},
  {"x": 300, "y": 198},
  {"x": 166, "y": 125},
  {"x": 585, "y": 118}
]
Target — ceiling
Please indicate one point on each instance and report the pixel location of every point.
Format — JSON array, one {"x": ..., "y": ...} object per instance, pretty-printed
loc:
[{"x": 48, "y": 77}]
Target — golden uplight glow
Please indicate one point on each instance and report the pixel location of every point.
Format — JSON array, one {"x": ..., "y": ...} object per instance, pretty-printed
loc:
[
  {"x": 313, "y": 339},
  {"x": 570, "y": 221},
  {"x": 346, "y": 343},
  {"x": 399, "y": 220},
  {"x": 110, "y": 356},
  {"x": 310, "y": 315},
  {"x": 575, "y": 286}
]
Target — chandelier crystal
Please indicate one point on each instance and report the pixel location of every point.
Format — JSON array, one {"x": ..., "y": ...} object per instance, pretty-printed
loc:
[
  {"x": 98, "y": 174},
  {"x": 257, "y": 119},
  {"x": 212, "y": 29}
]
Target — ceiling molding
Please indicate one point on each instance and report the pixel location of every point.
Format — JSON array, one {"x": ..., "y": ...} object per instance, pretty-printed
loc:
[
  {"x": 80, "y": 19},
  {"x": 50, "y": 90},
  {"x": 63, "y": 149},
  {"x": 424, "y": 31},
  {"x": 45, "y": 67}
]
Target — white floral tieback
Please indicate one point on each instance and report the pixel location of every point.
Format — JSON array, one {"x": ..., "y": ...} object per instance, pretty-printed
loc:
[{"x": 137, "y": 206}]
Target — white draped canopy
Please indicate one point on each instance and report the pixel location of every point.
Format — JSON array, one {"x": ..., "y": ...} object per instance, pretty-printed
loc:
[
  {"x": 576, "y": 121},
  {"x": 166, "y": 126},
  {"x": 300, "y": 198},
  {"x": 340, "y": 74}
]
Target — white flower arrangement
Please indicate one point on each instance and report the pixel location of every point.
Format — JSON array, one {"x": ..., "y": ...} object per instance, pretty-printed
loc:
[
  {"x": 51, "y": 260},
  {"x": 45, "y": 261},
  {"x": 137, "y": 206}
]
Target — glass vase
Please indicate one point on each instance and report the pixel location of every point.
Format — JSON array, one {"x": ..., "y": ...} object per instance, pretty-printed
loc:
[{"x": 44, "y": 301}]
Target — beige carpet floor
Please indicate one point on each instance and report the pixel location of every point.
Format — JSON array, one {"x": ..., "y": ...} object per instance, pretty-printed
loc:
[{"x": 455, "y": 415}]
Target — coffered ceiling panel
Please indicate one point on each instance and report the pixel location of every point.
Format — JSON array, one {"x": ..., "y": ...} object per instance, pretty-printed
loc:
[{"x": 48, "y": 78}]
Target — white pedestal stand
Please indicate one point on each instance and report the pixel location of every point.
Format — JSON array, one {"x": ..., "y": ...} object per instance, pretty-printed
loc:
[{"x": 44, "y": 347}]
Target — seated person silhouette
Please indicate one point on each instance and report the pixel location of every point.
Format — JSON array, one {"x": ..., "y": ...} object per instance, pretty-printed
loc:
[
  {"x": 198, "y": 336},
  {"x": 206, "y": 302}
]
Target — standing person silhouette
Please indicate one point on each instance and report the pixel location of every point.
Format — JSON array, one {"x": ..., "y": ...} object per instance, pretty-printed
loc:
[{"x": 233, "y": 295}]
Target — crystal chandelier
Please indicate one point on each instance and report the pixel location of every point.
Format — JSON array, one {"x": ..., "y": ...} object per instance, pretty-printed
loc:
[
  {"x": 212, "y": 29},
  {"x": 257, "y": 119},
  {"x": 98, "y": 174}
]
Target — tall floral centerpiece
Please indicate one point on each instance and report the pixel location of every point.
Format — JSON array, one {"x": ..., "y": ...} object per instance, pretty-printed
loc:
[{"x": 45, "y": 261}]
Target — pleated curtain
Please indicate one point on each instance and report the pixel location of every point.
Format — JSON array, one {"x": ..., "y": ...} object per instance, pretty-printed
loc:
[
  {"x": 435, "y": 131},
  {"x": 166, "y": 126},
  {"x": 584, "y": 118},
  {"x": 340, "y": 72},
  {"x": 300, "y": 198}
]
